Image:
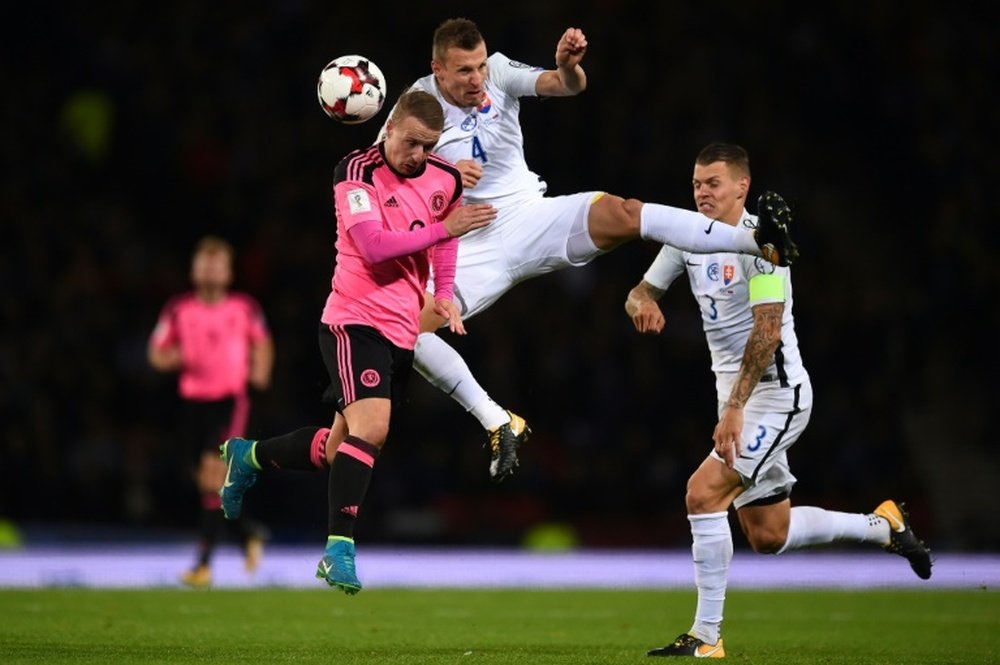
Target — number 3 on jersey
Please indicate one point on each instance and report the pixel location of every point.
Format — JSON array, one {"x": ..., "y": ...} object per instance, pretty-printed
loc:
[{"x": 477, "y": 150}]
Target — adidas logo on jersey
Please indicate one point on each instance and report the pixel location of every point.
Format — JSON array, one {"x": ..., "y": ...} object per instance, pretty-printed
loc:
[{"x": 391, "y": 203}]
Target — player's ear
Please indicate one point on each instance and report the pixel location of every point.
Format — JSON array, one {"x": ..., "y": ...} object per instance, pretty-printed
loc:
[{"x": 744, "y": 185}]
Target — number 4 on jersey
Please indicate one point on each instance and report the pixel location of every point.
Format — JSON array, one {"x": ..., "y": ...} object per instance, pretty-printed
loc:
[{"x": 477, "y": 150}]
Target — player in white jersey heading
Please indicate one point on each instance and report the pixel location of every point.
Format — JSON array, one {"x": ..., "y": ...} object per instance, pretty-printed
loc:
[
  {"x": 765, "y": 399},
  {"x": 533, "y": 234}
]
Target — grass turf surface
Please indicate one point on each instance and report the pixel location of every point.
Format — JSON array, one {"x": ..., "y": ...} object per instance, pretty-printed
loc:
[{"x": 488, "y": 626}]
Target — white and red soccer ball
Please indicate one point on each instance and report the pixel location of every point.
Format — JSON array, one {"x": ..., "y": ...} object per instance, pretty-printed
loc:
[{"x": 351, "y": 89}]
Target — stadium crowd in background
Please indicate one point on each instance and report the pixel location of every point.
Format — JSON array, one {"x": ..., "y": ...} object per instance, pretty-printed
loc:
[{"x": 170, "y": 122}]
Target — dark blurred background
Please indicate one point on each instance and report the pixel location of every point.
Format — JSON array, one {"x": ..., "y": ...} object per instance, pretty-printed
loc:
[{"x": 132, "y": 129}]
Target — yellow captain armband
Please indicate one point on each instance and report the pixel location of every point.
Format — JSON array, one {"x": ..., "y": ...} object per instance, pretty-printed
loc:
[{"x": 767, "y": 288}]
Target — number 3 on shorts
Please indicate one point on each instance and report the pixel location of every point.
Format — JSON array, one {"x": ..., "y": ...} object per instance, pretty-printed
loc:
[{"x": 761, "y": 431}]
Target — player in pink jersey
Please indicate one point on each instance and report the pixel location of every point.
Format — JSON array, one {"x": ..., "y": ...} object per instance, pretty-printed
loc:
[
  {"x": 398, "y": 214},
  {"x": 219, "y": 344}
]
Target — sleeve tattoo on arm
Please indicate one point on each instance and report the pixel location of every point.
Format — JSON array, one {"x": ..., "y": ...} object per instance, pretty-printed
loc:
[{"x": 759, "y": 351}]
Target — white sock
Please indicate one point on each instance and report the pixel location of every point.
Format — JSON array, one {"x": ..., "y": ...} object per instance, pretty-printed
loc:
[
  {"x": 712, "y": 548},
  {"x": 490, "y": 414},
  {"x": 692, "y": 231},
  {"x": 814, "y": 526},
  {"x": 445, "y": 369}
]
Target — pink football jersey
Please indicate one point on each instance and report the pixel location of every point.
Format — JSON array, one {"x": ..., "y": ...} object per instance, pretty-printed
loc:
[
  {"x": 214, "y": 340},
  {"x": 388, "y": 295}
]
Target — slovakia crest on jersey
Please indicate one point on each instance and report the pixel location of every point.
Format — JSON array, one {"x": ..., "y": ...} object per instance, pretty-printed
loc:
[
  {"x": 728, "y": 272},
  {"x": 486, "y": 104}
]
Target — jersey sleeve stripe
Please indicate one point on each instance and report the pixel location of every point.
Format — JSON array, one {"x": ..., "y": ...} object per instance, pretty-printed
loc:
[{"x": 358, "y": 165}]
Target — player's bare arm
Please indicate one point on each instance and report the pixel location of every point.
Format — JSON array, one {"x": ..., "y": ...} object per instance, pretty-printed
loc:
[
  {"x": 468, "y": 217},
  {"x": 643, "y": 308},
  {"x": 261, "y": 363},
  {"x": 761, "y": 345},
  {"x": 568, "y": 78}
]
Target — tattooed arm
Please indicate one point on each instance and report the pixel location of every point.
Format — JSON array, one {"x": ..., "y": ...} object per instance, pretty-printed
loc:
[
  {"x": 758, "y": 354},
  {"x": 641, "y": 306}
]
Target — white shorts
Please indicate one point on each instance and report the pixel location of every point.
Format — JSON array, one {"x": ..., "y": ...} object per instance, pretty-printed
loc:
[
  {"x": 773, "y": 419},
  {"x": 525, "y": 240}
]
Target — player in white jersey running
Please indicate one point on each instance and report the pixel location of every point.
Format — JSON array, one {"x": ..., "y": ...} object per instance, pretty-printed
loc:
[
  {"x": 765, "y": 399},
  {"x": 533, "y": 234}
]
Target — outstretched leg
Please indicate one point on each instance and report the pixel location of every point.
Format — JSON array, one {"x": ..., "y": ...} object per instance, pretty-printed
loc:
[
  {"x": 303, "y": 450},
  {"x": 613, "y": 221},
  {"x": 806, "y": 526},
  {"x": 445, "y": 369},
  {"x": 888, "y": 526}
]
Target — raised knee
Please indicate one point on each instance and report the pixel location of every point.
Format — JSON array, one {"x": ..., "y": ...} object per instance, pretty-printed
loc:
[
  {"x": 698, "y": 500},
  {"x": 614, "y": 220},
  {"x": 632, "y": 208},
  {"x": 766, "y": 541},
  {"x": 377, "y": 437},
  {"x": 373, "y": 434}
]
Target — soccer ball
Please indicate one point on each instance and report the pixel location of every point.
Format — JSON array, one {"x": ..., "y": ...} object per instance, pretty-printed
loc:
[{"x": 351, "y": 89}]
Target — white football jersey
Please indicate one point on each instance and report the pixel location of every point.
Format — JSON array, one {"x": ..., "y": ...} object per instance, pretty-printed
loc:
[
  {"x": 721, "y": 286},
  {"x": 491, "y": 133}
]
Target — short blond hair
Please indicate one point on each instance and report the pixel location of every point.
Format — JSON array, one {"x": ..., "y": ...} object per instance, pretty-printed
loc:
[{"x": 421, "y": 105}]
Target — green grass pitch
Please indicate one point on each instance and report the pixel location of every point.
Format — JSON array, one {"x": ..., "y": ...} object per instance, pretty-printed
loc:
[{"x": 488, "y": 626}]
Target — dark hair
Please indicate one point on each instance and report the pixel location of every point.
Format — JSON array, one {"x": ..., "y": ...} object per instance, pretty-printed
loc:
[
  {"x": 455, "y": 32},
  {"x": 421, "y": 105},
  {"x": 733, "y": 155}
]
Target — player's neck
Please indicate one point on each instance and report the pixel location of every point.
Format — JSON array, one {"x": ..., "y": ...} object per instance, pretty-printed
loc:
[
  {"x": 210, "y": 294},
  {"x": 734, "y": 216}
]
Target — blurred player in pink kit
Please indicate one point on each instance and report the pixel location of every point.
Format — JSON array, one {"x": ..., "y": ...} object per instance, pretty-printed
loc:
[
  {"x": 398, "y": 214},
  {"x": 219, "y": 343}
]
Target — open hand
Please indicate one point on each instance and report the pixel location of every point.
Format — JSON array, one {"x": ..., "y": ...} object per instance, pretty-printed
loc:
[{"x": 468, "y": 217}]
